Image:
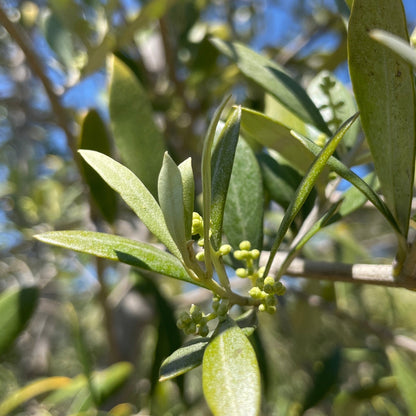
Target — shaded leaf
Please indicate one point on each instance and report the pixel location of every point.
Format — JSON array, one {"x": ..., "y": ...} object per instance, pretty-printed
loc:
[
  {"x": 384, "y": 88},
  {"x": 230, "y": 373},
  {"x": 134, "y": 193},
  {"x": 273, "y": 78},
  {"x": 305, "y": 188},
  {"x": 184, "y": 359},
  {"x": 243, "y": 216},
  {"x": 134, "y": 253},
  {"x": 405, "y": 372},
  {"x": 16, "y": 308},
  {"x": 222, "y": 165},
  {"x": 94, "y": 136},
  {"x": 170, "y": 192},
  {"x": 188, "y": 186},
  {"x": 276, "y": 136},
  {"x": 30, "y": 391},
  {"x": 138, "y": 140}
]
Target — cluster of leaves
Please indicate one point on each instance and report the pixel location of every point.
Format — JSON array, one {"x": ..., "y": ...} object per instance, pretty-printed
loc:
[{"x": 294, "y": 152}]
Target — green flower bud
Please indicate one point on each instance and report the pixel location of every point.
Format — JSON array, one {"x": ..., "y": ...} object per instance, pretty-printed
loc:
[
  {"x": 260, "y": 271},
  {"x": 260, "y": 283},
  {"x": 190, "y": 329},
  {"x": 203, "y": 330},
  {"x": 196, "y": 313},
  {"x": 240, "y": 272},
  {"x": 224, "y": 249},
  {"x": 184, "y": 320},
  {"x": 271, "y": 309},
  {"x": 256, "y": 293},
  {"x": 200, "y": 256},
  {"x": 240, "y": 254},
  {"x": 279, "y": 289},
  {"x": 262, "y": 308},
  {"x": 270, "y": 300},
  {"x": 201, "y": 242},
  {"x": 245, "y": 245},
  {"x": 223, "y": 308},
  {"x": 255, "y": 254},
  {"x": 197, "y": 224}
]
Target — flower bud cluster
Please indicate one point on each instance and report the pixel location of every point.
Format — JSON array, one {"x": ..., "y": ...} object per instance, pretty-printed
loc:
[
  {"x": 265, "y": 289},
  {"x": 195, "y": 322}
]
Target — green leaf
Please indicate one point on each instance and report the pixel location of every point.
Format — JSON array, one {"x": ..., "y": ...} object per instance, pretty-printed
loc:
[
  {"x": 336, "y": 104},
  {"x": 188, "y": 186},
  {"x": 94, "y": 136},
  {"x": 395, "y": 44},
  {"x": 134, "y": 193},
  {"x": 230, "y": 373},
  {"x": 222, "y": 165},
  {"x": 184, "y": 359},
  {"x": 305, "y": 188},
  {"x": 276, "y": 136},
  {"x": 206, "y": 178},
  {"x": 384, "y": 88},
  {"x": 134, "y": 253},
  {"x": 30, "y": 391},
  {"x": 270, "y": 76},
  {"x": 16, "y": 308},
  {"x": 243, "y": 216},
  {"x": 405, "y": 372},
  {"x": 139, "y": 141},
  {"x": 171, "y": 201},
  {"x": 351, "y": 177}
]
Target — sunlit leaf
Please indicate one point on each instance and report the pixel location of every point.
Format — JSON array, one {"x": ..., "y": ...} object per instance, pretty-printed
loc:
[
  {"x": 30, "y": 391},
  {"x": 384, "y": 88},
  {"x": 134, "y": 193},
  {"x": 94, "y": 136},
  {"x": 222, "y": 165},
  {"x": 274, "y": 135},
  {"x": 16, "y": 308},
  {"x": 230, "y": 373},
  {"x": 275, "y": 80},
  {"x": 138, "y": 140},
  {"x": 305, "y": 188},
  {"x": 336, "y": 105},
  {"x": 188, "y": 186},
  {"x": 134, "y": 253},
  {"x": 170, "y": 190},
  {"x": 184, "y": 359},
  {"x": 351, "y": 177},
  {"x": 243, "y": 216}
]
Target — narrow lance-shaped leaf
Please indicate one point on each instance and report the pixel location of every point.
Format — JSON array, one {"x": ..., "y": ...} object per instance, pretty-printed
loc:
[
  {"x": 243, "y": 216},
  {"x": 384, "y": 88},
  {"x": 206, "y": 179},
  {"x": 222, "y": 165},
  {"x": 112, "y": 247},
  {"x": 171, "y": 201},
  {"x": 30, "y": 391},
  {"x": 16, "y": 308},
  {"x": 94, "y": 136},
  {"x": 230, "y": 373},
  {"x": 276, "y": 136},
  {"x": 351, "y": 177},
  {"x": 184, "y": 359},
  {"x": 395, "y": 44},
  {"x": 188, "y": 185},
  {"x": 134, "y": 193},
  {"x": 139, "y": 141},
  {"x": 270, "y": 76},
  {"x": 305, "y": 188}
]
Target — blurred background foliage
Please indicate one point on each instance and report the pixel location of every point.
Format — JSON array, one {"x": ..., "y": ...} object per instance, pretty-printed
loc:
[{"x": 103, "y": 328}]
